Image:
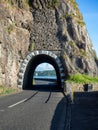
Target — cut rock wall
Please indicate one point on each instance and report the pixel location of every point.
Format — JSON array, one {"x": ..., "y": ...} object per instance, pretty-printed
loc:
[{"x": 43, "y": 25}]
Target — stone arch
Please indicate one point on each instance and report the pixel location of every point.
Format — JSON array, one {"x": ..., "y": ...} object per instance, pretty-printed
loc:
[{"x": 32, "y": 60}]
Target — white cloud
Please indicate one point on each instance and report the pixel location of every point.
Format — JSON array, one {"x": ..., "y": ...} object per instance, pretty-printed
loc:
[{"x": 44, "y": 66}]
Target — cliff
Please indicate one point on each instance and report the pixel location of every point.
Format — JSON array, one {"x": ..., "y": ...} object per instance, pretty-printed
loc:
[{"x": 35, "y": 24}]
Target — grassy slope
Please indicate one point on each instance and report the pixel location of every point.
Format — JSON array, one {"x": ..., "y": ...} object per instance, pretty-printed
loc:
[
  {"x": 82, "y": 78},
  {"x": 5, "y": 90}
]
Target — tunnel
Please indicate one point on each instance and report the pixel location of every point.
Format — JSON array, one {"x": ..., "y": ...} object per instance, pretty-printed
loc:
[{"x": 32, "y": 60}]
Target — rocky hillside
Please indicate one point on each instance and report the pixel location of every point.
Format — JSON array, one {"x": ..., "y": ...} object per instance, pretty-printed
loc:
[{"x": 37, "y": 24}]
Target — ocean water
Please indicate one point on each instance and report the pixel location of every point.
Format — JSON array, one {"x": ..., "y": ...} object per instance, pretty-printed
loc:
[{"x": 45, "y": 77}]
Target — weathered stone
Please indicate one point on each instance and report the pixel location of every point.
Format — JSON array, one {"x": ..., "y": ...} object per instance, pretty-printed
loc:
[
  {"x": 47, "y": 26},
  {"x": 15, "y": 43}
]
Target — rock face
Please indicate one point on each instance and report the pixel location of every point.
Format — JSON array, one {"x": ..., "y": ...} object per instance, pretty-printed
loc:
[
  {"x": 14, "y": 41},
  {"x": 45, "y": 25}
]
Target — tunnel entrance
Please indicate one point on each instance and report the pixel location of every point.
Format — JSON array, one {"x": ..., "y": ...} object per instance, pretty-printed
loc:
[
  {"x": 44, "y": 74},
  {"x": 34, "y": 59}
]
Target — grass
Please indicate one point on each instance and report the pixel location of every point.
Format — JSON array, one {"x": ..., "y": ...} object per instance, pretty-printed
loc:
[
  {"x": 82, "y": 78},
  {"x": 6, "y": 90}
]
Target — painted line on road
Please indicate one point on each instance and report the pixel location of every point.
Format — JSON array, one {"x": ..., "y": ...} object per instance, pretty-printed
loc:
[{"x": 17, "y": 103}]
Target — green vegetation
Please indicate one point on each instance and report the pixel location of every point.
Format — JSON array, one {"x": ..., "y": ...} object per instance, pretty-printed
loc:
[
  {"x": 31, "y": 48},
  {"x": 81, "y": 22},
  {"x": 10, "y": 28},
  {"x": 6, "y": 90},
  {"x": 26, "y": 4},
  {"x": 73, "y": 44},
  {"x": 82, "y": 78},
  {"x": 66, "y": 15},
  {"x": 78, "y": 16},
  {"x": 73, "y": 2},
  {"x": 55, "y": 3},
  {"x": 45, "y": 73},
  {"x": 82, "y": 53},
  {"x": 77, "y": 51},
  {"x": 33, "y": 82},
  {"x": 75, "y": 6}
]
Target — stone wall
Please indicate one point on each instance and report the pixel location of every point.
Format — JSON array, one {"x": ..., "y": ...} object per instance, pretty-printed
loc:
[
  {"x": 44, "y": 31},
  {"x": 78, "y": 87}
]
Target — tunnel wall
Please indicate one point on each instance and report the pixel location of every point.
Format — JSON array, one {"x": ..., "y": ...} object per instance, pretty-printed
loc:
[{"x": 24, "y": 69}]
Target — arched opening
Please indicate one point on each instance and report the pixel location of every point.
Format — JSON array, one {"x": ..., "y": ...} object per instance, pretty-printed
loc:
[
  {"x": 35, "y": 61},
  {"x": 45, "y": 75},
  {"x": 32, "y": 61}
]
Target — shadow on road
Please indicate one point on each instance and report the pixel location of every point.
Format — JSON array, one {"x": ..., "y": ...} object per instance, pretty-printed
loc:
[
  {"x": 44, "y": 88},
  {"x": 48, "y": 88},
  {"x": 84, "y": 111},
  {"x": 58, "y": 120}
]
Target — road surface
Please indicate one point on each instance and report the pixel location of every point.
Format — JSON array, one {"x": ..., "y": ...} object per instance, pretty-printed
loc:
[{"x": 33, "y": 110}]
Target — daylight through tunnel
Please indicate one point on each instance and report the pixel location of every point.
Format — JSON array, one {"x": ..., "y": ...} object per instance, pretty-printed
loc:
[
  {"x": 44, "y": 75},
  {"x": 34, "y": 59}
]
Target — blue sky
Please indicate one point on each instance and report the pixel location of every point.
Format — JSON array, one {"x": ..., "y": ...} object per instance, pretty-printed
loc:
[{"x": 89, "y": 10}]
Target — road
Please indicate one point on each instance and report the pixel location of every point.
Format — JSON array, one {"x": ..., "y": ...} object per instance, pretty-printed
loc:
[{"x": 40, "y": 109}]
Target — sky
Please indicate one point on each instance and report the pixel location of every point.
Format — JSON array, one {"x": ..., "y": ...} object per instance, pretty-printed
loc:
[
  {"x": 89, "y": 10},
  {"x": 44, "y": 66}
]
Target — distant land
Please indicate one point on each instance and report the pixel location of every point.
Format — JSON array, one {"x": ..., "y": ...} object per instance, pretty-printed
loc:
[{"x": 45, "y": 73}]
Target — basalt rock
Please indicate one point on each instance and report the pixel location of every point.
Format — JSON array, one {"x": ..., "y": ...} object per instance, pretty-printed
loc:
[{"x": 45, "y": 24}]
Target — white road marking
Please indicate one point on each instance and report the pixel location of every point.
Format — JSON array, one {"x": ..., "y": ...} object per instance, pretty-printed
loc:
[{"x": 17, "y": 103}]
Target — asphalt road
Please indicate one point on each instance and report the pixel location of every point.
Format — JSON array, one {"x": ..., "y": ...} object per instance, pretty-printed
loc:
[{"x": 40, "y": 109}]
